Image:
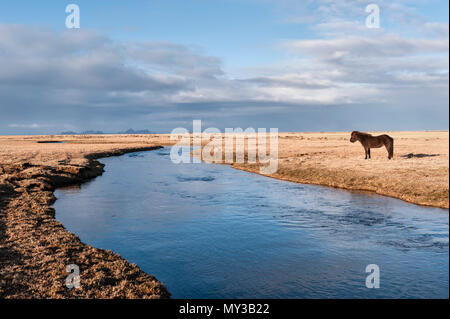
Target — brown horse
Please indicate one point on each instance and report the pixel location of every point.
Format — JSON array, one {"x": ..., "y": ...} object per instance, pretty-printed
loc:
[{"x": 369, "y": 141}]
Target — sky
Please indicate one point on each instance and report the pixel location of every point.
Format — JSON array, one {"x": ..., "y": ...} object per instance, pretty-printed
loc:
[{"x": 159, "y": 64}]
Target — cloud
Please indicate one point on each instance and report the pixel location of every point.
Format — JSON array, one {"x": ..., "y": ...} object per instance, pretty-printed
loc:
[
  {"x": 80, "y": 60},
  {"x": 34, "y": 125},
  {"x": 87, "y": 80},
  {"x": 383, "y": 45},
  {"x": 174, "y": 58},
  {"x": 436, "y": 29}
]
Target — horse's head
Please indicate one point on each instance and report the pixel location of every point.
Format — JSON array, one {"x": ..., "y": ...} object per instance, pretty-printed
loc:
[{"x": 354, "y": 136}]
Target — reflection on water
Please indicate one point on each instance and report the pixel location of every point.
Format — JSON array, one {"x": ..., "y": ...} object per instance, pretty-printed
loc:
[{"x": 209, "y": 231}]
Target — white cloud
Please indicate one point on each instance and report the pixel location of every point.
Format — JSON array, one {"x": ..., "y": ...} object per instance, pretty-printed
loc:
[
  {"x": 382, "y": 45},
  {"x": 436, "y": 29},
  {"x": 57, "y": 74},
  {"x": 32, "y": 126}
]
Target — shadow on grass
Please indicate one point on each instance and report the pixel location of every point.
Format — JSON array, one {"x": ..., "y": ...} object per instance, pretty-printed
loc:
[{"x": 420, "y": 155}]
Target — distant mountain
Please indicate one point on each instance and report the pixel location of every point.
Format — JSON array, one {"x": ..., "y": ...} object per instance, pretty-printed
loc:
[
  {"x": 82, "y": 133},
  {"x": 92, "y": 132},
  {"x": 131, "y": 131}
]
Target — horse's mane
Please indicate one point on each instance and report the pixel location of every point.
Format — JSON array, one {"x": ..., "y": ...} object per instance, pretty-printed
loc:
[{"x": 362, "y": 133}]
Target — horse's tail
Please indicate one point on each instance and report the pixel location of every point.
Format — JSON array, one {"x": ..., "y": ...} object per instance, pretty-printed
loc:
[{"x": 391, "y": 148}]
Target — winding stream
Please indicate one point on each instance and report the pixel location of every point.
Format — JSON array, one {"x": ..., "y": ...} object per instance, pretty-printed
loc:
[{"x": 210, "y": 231}]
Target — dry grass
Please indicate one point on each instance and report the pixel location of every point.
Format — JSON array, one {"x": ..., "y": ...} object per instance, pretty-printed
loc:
[
  {"x": 419, "y": 172},
  {"x": 35, "y": 248}
]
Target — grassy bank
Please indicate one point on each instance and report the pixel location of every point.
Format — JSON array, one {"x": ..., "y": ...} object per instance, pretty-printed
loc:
[{"x": 35, "y": 248}]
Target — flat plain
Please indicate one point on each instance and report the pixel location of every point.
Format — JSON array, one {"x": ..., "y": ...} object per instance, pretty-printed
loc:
[{"x": 35, "y": 248}]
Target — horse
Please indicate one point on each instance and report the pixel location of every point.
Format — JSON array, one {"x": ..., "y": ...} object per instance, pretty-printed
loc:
[{"x": 369, "y": 141}]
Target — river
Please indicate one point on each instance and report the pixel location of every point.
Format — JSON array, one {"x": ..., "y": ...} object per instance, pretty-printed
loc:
[{"x": 210, "y": 231}]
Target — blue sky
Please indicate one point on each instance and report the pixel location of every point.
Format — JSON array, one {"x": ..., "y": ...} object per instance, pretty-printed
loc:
[
  {"x": 295, "y": 65},
  {"x": 241, "y": 32}
]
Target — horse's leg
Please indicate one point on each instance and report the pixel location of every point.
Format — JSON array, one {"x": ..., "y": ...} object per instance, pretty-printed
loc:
[{"x": 368, "y": 151}]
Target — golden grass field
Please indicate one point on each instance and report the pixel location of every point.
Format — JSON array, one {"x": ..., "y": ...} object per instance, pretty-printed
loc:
[
  {"x": 35, "y": 248},
  {"x": 418, "y": 173}
]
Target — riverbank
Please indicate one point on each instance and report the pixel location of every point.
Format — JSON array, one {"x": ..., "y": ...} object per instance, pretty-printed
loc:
[
  {"x": 35, "y": 248},
  {"x": 418, "y": 173}
]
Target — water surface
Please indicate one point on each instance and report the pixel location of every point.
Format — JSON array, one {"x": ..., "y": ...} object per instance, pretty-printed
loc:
[{"x": 209, "y": 231}]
